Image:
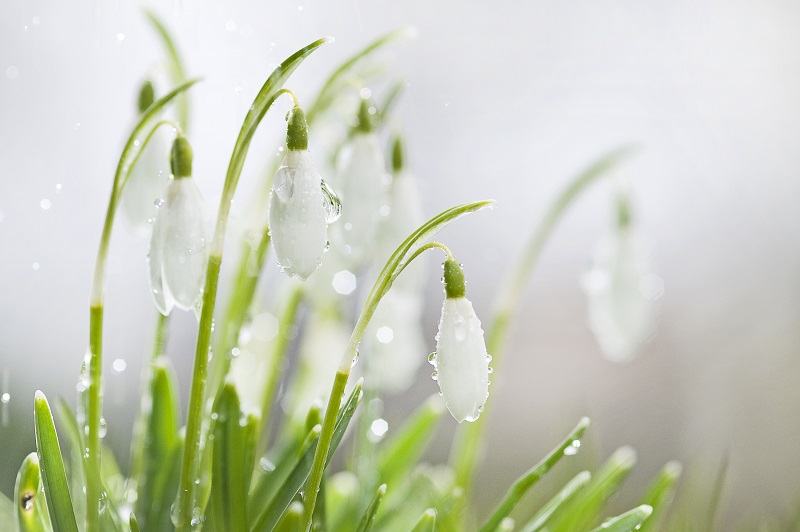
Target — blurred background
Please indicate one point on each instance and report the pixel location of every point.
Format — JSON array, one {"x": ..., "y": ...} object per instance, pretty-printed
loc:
[{"x": 505, "y": 100}]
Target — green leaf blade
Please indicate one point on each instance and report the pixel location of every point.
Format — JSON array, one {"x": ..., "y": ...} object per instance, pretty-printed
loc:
[
  {"x": 426, "y": 523},
  {"x": 559, "y": 500},
  {"x": 627, "y": 522},
  {"x": 229, "y": 463},
  {"x": 30, "y": 506},
  {"x": 54, "y": 477},
  {"x": 368, "y": 519}
]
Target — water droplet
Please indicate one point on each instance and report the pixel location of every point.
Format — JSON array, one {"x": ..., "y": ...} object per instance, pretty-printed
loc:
[
  {"x": 45, "y": 204},
  {"x": 490, "y": 370},
  {"x": 459, "y": 328},
  {"x": 355, "y": 358},
  {"x": 432, "y": 358},
  {"x": 159, "y": 202},
  {"x": 377, "y": 430},
  {"x": 35, "y": 266},
  {"x": 103, "y": 428},
  {"x": 384, "y": 334},
  {"x": 365, "y": 93},
  {"x": 137, "y": 143},
  {"x": 119, "y": 365},
  {"x": 5, "y": 398},
  {"x": 435, "y": 375},
  {"x": 333, "y": 207},
  {"x": 266, "y": 464},
  {"x": 26, "y": 501},
  {"x": 488, "y": 358},
  {"x": 12, "y": 72},
  {"x": 572, "y": 449},
  {"x": 235, "y": 352},
  {"x": 58, "y": 186}
]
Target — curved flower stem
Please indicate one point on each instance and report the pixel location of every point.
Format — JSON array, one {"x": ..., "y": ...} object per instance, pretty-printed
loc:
[
  {"x": 185, "y": 501},
  {"x": 177, "y": 71},
  {"x": 128, "y": 158},
  {"x": 468, "y": 442},
  {"x": 402, "y": 256}
]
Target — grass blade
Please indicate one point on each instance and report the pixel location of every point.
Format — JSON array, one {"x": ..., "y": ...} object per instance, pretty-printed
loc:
[
  {"x": 584, "y": 512},
  {"x": 133, "y": 523},
  {"x": 368, "y": 519},
  {"x": 400, "y": 453},
  {"x": 54, "y": 478},
  {"x": 659, "y": 495},
  {"x": 426, "y": 523},
  {"x": 561, "y": 498},
  {"x": 292, "y": 520},
  {"x": 31, "y": 508},
  {"x": 229, "y": 464},
  {"x": 627, "y": 522},
  {"x": 297, "y": 478},
  {"x": 527, "y": 480}
]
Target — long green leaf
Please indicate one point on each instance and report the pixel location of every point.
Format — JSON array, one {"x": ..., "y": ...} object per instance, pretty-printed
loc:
[
  {"x": 426, "y": 523},
  {"x": 659, "y": 495},
  {"x": 77, "y": 474},
  {"x": 230, "y": 475},
  {"x": 368, "y": 519},
  {"x": 627, "y": 522},
  {"x": 31, "y": 508},
  {"x": 54, "y": 477},
  {"x": 161, "y": 444},
  {"x": 300, "y": 473},
  {"x": 292, "y": 520},
  {"x": 562, "y": 497},
  {"x": 527, "y": 481},
  {"x": 400, "y": 453}
]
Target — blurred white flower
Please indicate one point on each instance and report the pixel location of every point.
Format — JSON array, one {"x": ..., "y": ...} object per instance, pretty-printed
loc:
[
  {"x": 396, "y": 342},
  {"x": 623, "y": 295},
  {"x": 149, "y": 177},
  {"x": 178, "y": 248},
  {"x": 362, "y": 186},
  {"x": 461, "y": 362}
]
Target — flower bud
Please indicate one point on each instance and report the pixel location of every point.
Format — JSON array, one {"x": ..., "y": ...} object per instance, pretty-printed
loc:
[
  {"x": 461, "y": 361},
  {"x": 178, "y": 248},
  {"x": 298, "y": 207}
]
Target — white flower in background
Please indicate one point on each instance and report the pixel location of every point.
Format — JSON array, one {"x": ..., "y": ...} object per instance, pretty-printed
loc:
[
  {"x": 461, "y": 362},
  {"x": 301, "y": 206},
  {"x": 178, "y": 248},
  {"x": 396, "y": 342},
  {"x": 622, "y": 292},
  {"x": 150, "y": 176},
  {"x": 362, "y": 187},
  {"x": 404, "y": 215}
]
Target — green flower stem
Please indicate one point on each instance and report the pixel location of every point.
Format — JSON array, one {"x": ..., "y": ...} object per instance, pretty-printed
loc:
[
  {"x": 468, "y": 444},
  {"x": 270, "y": 91},
  {"x": 402, "y": 256},
  {"x": 130, "y": 155},
  {"x": 177, "y": 71}
]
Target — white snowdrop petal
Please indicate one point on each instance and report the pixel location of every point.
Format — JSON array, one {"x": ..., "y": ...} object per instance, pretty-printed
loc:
[
  {"x": 147, "y": 183},
  {"x": 155, "y": 266},
  {"x": 184, "y": 251},
  {"x": 297, "y": 219},
  {"x": 621, "y": 317},
  {"x": 462, "y": 363},
  {"x": 362, "y": 189}
]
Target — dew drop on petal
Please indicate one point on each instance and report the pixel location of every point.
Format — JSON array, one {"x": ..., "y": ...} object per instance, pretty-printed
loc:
[{"x": 331, "y": 202}]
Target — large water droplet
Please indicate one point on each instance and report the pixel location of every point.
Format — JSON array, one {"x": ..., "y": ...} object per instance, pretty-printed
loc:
[
  {"x": 333, "y": 207},
  {"x": 284, "y": 185},
  {"x": 432, "y": 359}
]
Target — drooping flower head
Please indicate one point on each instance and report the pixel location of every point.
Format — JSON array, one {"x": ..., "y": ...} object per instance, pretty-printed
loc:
[
  {"x": 301, "y": 205},
  {"x": 362, "y": 185},
  {"x": 178, "y": 247},
  {"x": 461, "y": 362},
  {"x": 150, "y": 176},
  {"x": 622, "y": 291}
]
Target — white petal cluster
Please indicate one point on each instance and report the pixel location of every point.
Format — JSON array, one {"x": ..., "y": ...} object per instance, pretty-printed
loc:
[
  {"x": 298, "y": 220},
  {"x": 622, "y": 295},
  {"x": 362, "y": 187},
  {"x": 461, "y": 361},
  {"x": 147, "y": 182},
  {"x": 178, "y": 248}
]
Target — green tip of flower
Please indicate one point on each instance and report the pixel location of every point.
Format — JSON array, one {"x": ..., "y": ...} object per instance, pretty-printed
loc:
[
  {"x": 397, "y": 155},
  {"x": 181, "y": 158},
  {"x": 147, "y": 95},
  {"x": 454, "y": 284},
  {"x": 366, "y": 117},
  {"x": 297, "y": 130}
]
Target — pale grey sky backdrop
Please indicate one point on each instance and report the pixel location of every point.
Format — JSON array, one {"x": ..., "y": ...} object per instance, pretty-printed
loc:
[{"x": 506, "y": 100}]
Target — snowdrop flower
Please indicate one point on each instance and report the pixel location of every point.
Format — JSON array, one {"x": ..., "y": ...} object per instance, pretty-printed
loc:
[
  {"x": 622, "y": 292},
  {"x": 396, "y": 342},
  {"x": 460, "y": 361},
  {"x": 150, "y": 176},
  {"x": 362, "y": 187},
  {"x": 301, "y": 205},
  {"x": 178, "y": 247}
]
